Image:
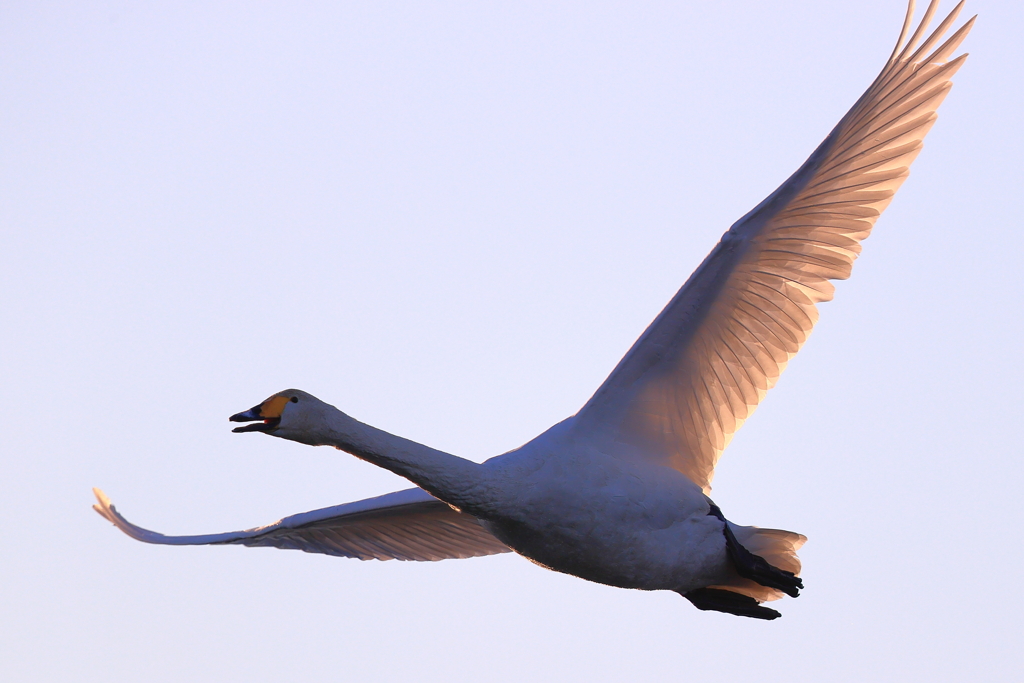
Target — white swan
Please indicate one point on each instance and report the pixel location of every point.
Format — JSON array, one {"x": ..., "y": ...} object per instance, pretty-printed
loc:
[{"x": 618, "y": 493}]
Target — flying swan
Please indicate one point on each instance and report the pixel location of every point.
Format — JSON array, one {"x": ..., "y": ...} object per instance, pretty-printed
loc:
[{"x": 618, "y": 493}]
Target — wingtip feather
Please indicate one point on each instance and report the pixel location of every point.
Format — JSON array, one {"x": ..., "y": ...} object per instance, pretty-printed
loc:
[
  {"x": 107, "y": 510},
  {"x": 103, "y": 506}
]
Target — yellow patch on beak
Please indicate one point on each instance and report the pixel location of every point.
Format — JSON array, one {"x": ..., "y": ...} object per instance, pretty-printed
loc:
[{"x": 273, "y": 407}]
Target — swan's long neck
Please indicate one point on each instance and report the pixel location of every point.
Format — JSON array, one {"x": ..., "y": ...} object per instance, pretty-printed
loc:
[{"x": 455, "y": 480}]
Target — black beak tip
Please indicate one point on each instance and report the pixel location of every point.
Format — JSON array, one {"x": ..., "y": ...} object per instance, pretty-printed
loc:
[
  {"x": 254, "y": 415},
  {"x": 250, "y": 415}
]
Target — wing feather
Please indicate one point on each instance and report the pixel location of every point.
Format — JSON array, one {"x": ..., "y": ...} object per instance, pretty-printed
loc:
[
  {"x": 708, "y": 359},
  {"x": 405, "y": 525}
]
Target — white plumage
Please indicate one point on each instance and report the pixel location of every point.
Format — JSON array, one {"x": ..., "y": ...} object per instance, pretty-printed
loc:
[{"x": 618, "y": 493}]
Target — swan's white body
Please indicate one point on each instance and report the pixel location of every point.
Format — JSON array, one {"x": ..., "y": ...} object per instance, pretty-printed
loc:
[
  {"x": 618, "y": 493},
  {"x": 591, "y": 512}
]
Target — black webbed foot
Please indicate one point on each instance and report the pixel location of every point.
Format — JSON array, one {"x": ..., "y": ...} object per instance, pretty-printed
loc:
[{"x": 718, "y": 600}]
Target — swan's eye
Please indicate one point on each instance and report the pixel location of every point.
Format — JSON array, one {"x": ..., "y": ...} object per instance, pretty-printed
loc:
[{"x": 295, "y": 399}]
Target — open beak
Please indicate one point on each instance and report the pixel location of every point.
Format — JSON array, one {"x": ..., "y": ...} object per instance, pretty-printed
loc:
[{"x": 263, "y": 424}]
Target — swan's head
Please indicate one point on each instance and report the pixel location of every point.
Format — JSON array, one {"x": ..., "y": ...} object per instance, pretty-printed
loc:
[{"x": 289, "y": 414}]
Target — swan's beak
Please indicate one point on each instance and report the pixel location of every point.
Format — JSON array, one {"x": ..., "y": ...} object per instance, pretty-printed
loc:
[{"x": 253, "y": 415}]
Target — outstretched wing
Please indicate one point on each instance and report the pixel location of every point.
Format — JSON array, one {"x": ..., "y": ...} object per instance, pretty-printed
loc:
[
  {"x": 405, "y": 525},
  {"x": 708, "y": 359}
]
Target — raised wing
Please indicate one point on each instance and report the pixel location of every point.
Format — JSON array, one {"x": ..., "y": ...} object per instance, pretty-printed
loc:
[
  {"x": 405, "y": 525},
  {"x": 708, "y": 359}
]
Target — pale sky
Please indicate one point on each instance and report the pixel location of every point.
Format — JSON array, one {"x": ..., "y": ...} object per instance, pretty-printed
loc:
[{"x": 451, "y": 220}]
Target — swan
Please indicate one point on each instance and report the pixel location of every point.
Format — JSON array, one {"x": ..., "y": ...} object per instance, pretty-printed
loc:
[{"x": 618, "y": 493}]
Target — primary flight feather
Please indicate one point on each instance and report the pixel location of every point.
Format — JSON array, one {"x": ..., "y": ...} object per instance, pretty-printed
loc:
[{"x": 618, "y": 493}]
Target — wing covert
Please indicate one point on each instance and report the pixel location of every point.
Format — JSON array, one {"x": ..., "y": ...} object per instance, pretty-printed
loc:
[{"x": 707, "y": 360}]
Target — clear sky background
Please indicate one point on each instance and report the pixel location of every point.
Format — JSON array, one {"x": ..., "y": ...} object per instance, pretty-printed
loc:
[{"x": 451, "y": 220}]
